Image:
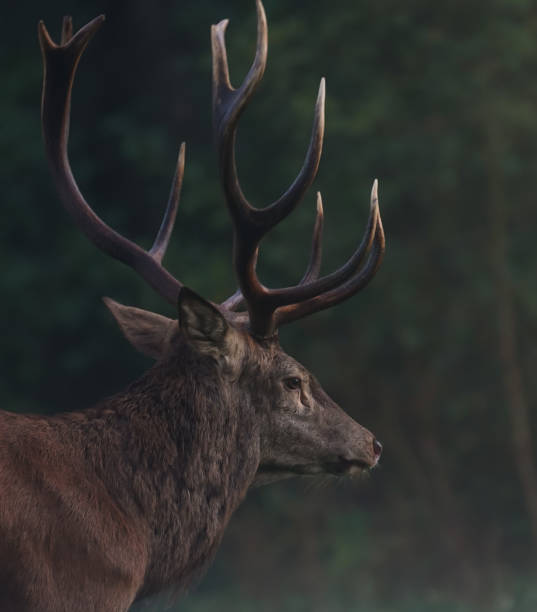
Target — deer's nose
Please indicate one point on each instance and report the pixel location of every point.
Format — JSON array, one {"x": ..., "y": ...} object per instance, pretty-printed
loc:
[{"x": 377, "y": 448}]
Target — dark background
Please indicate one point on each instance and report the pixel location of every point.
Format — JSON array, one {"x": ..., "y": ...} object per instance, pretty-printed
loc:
[{"x": 437, "y": 100}]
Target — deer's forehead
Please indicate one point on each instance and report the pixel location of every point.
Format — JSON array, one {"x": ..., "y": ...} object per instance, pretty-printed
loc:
[{"x": 274, "y": 360}]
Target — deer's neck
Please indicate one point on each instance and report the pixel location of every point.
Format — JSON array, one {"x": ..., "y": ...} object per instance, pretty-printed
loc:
[{"x": 182, "y": 452}]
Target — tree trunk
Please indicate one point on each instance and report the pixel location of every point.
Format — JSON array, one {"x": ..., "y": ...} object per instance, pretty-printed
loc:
[{"x": 511, "y": 374}]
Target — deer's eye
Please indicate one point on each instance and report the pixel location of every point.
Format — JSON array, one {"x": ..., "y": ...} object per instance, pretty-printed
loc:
[{"x": 293, "y": 382}]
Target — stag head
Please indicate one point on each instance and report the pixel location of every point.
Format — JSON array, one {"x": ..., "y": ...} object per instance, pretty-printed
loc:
[{"x": 301, "y": 430}]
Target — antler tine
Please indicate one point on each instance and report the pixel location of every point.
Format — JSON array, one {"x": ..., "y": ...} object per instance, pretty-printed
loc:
[
  {"x": 60, "y": 62},
  {"x": 290, "y": 295},
  {"x": 158, "y": 250},
  {"x": 271, "y": 215},
  {"x": 287, "y": 314},
  {"x": 314, "y": 265},
  {"x": 228, "y": 103},
  {"x": 352, "y": 285},
  {"x": 233, "y": 301}
]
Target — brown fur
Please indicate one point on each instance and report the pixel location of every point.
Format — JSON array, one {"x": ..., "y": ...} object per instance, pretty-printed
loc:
[{"x": 129, "y": 497}]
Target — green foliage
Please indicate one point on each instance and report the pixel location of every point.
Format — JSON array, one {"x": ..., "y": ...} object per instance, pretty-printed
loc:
[{"x": 437, "y": 100}]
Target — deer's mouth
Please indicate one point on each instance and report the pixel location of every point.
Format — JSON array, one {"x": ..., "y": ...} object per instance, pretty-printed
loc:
[
  {"x": 339, "y": 467},
  {"x": 347, "y": 467}
]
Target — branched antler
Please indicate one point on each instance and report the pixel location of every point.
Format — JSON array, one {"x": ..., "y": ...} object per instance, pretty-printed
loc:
[{"x": 267, "y": 308}]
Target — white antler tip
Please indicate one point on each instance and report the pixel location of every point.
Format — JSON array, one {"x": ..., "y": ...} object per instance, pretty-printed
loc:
[
  {"x": 374, "y": 193},
  {"x": 261, "y": 19},
  {"x": 220, "y": 27},
  {"x": 319, "y": 203},
  {"x": 321, "y": 96}
]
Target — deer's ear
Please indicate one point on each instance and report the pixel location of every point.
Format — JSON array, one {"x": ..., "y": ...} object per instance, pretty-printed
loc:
[
  {"x": 147, "y": 331},
  {"x": 201, "y": 322}
]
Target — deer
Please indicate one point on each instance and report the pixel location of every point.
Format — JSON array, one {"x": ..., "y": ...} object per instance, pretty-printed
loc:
[{"x": 105, "y": 506}]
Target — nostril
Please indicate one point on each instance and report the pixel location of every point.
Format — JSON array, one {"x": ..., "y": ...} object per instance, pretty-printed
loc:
[{"x": 377, "y": 447}]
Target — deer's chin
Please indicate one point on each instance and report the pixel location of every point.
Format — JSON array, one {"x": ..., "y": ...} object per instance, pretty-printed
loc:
[
  {"x": 288, "y": 470},
  {"x": 341, "y": 467}
]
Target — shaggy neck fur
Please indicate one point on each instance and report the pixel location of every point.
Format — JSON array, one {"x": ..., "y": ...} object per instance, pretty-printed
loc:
[{"x": 177, "y": 451}]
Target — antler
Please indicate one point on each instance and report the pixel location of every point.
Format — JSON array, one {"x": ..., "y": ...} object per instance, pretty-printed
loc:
[
  {"x": 269, "y": 308},
  {"x": 60, "y": 66}
]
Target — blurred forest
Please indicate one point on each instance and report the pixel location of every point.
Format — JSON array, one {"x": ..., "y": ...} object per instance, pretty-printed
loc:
[{"x": 436, "y": 99}]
